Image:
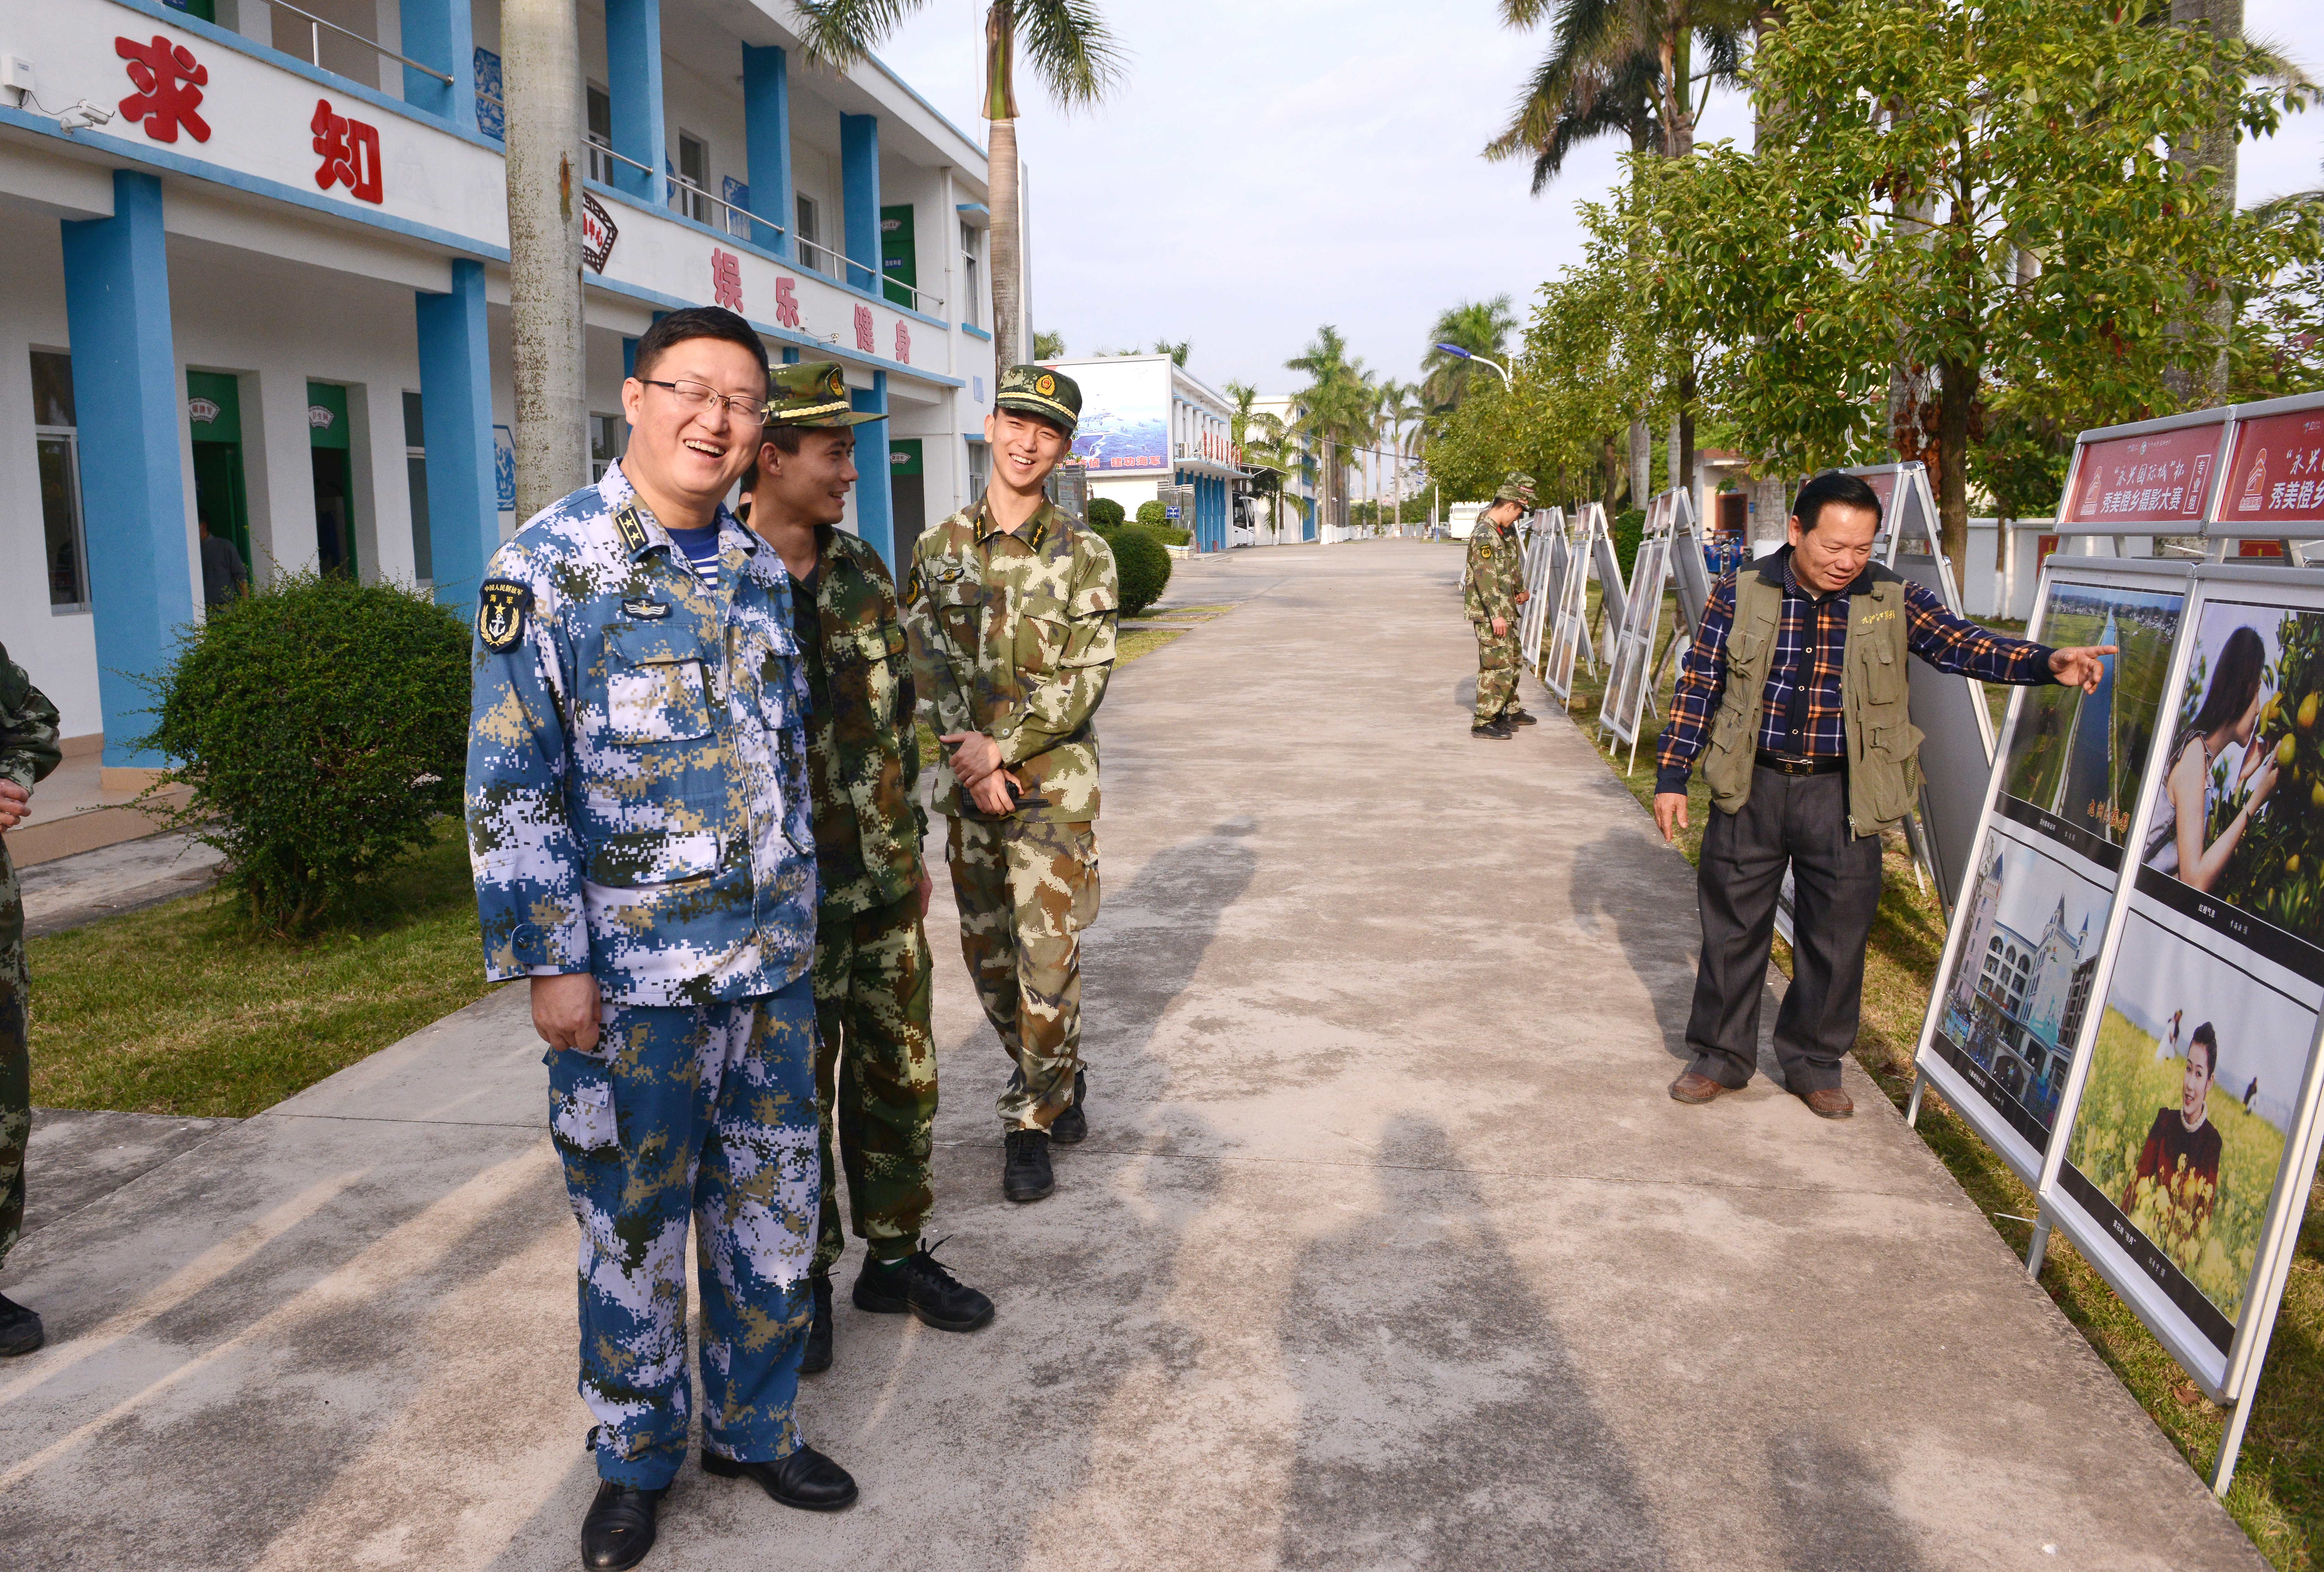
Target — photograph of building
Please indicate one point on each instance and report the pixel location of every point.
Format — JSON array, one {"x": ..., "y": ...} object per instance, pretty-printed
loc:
[{"x": 2021, "y": 981}]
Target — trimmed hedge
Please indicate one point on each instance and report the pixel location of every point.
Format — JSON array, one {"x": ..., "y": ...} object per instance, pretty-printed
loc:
[
  {"x": 1142, "y": 564},
  {"x": 1105, "y": 513}
]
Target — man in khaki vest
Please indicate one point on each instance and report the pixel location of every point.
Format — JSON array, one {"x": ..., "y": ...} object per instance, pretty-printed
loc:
[{"x": 1811, "y": 755}]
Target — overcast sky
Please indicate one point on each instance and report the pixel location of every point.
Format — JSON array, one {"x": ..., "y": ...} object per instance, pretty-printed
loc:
[{"x": 1272, "y": 164}]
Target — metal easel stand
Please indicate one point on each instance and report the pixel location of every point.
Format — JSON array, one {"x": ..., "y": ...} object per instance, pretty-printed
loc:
[
  {"x": 2036, "y": 1252},
  {"x": 1912, "y": 1107},
  {"x": 2231, "y": 1442}
]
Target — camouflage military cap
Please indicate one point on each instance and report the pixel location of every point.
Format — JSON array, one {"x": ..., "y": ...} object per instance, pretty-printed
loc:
[
  {"x": 1516, "y": 486},
  {"x": 1036, "y": 390},
  {"x": 814, "y": 392}
]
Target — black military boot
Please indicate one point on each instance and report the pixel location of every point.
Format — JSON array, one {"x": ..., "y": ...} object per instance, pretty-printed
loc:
[
  {"x": 1070, "y": 1128},
  {"x": 620, "y": 1528},
  {"x": 806, "y": 1479},
  {"x": 817, "y": 1357},
  {"x": 921, "y": 1285},
  {"x": 19, "y": 1329},
  {"x": 1514, "y": 715},
  {"x": 1025, "y": 1173},
  {"x": 1496, "y": 728}
]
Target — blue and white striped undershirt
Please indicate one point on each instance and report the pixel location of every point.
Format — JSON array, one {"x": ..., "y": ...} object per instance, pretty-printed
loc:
[{"x": 701, "y": 548}]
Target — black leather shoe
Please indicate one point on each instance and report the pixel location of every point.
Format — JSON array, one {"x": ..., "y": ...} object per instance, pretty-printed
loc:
[
  {"x": 1498, "y": 730},
  {"x": 1514, "y": 715},
  {"x": 20, "y": 1331},
  {"x": 620, "y": 1528},
  {"x": 1070, "y": 1128},
  {"x": 817, "y": 1357},
  {"x": 1025, "y": 1174},
  {"x": 922, "y": 1286},
  {"x": 806, "y": 1479}
]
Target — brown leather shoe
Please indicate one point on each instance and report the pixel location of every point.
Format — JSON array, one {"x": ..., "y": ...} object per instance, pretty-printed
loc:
[
  {"x": 1691, "y": 1088},
  {"x": 1831, "y": 1103}
]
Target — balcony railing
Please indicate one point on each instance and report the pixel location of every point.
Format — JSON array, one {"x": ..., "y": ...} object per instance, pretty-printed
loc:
[
  {"x": 685, "y": 197},
  {"x": 315, "y": 25}
]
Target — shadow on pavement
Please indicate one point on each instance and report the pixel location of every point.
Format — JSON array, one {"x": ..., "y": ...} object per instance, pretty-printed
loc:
[
  {"x": 1443, "y": 1422},
  {"x": 1832, "y": 1510}
]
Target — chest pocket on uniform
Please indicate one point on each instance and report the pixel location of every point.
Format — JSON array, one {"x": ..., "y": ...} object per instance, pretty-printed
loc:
[
  {"x": 653, "y": 686},
  {"x": 956, "y": 598}
]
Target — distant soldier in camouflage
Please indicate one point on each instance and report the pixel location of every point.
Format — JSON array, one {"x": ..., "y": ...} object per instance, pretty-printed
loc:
[
  {"x": 1495, "y": 589},
  {"x": 28, "y": 752},
  {"x": 1011, "y": 606},
  {"x": 638, "y": 826},
  {"x": 875, "y": 1068}
]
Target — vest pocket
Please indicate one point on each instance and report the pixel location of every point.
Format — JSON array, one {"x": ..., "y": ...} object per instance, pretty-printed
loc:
[
  {"x": 1893, "y": 792},
  {"x": 1884, "y": 674}
]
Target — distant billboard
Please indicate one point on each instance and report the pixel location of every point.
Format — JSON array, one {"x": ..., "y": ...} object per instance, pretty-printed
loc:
[{"x": 1125, "y": 421}]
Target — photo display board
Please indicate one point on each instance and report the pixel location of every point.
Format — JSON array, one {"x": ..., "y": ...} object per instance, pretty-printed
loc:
[
  {"x": 2192, "y": 1126},
  {"x": 1568, "y": 632},
  {"x": 2275, "y": 477},
  {"x": 1613, "y": 597},
  {"x": 1690, "y": 567},
  {"x": 1634, "y": 651},
  {"x": 1544, "y": 541},
  {"x": 2005, "y": 1028}
]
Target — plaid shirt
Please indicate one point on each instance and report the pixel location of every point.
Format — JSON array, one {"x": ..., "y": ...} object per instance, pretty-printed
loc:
[{"x": 1804, "y": 717}]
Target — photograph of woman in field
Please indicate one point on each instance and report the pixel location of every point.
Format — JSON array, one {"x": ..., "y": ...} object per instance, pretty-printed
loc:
[
  {"x": 2228, "y": 715},
  {"x": 2182, "y": 1145}
]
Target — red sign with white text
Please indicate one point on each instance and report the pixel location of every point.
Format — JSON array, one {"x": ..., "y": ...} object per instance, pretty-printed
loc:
[
  {"x": 2161, "y": 479},
  {"x": 2277, "y": 473}
]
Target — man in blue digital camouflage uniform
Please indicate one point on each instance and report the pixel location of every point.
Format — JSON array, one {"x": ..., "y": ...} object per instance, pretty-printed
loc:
[{"x": 639, "y": 827}]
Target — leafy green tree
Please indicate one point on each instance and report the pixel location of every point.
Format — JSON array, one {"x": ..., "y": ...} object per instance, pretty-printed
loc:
[
  {"x": 1048, "y": 346},
  {"x": 1333, "y": 412},
  {"x": 1855, "y": 234},
  {"x": 1071, "y": 50}
]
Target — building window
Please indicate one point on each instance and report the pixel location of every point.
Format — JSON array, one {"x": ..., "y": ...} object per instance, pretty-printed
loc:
[
  {"x": 979, "y": 465},
  {"x": 56, "y": 448},
  {"x": 971, "y": 306},
  {"x": 601, "y": 136},
  {"x": 692, "y": 196},
  {"x": 604, "y": 443},
  {"x": 415, "y": 469},
  {"x": 808, "y": 232}
]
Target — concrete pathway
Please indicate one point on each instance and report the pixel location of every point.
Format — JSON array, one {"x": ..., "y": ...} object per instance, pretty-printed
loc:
[
  {"x": 1387, "y": 1251},
  {"x": 80, "y": 887}
]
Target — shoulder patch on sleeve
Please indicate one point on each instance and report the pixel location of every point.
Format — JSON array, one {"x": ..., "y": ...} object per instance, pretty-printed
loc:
[{"x": 501, "y": 606}]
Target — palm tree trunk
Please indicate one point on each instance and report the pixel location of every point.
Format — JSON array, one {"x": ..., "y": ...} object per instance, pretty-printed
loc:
[
  {"x": 540, "y": 75},
  {"x": 1008, "y": 239}
]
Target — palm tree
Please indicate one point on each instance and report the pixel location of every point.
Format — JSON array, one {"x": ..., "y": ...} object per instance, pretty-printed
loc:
[
  {"x": 1268, "y": 443},
  {"x": 1072, "y": 51},
  {"x": 1333, "y": 411},
  {"x": 1176, "y": 352},
  {"x": 1400, "y": 407},
  {"x": 1480, "y": 328}
]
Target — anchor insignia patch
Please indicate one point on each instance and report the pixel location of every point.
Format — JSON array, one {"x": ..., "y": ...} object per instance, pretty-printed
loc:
[{"x": 501, "y": 606}]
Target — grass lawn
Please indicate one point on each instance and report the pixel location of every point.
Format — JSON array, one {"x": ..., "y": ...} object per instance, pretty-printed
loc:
[
  {"x": 2278, "y": 1494},
  {"x": 179, "y": 1009}
]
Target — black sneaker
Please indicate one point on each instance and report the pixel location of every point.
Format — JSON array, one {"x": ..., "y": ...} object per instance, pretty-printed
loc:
[
  {"x": 19, "y": 1329},
  {"x": 1514, "y": 715},
  {"x": 817, "y": 1357},
  {"x": 1498, "y": 730},
  {"x": 1025, "y": 1173},
  {"x": 922, "y": 1286},
  {"x": 1070, "y": 1128}
]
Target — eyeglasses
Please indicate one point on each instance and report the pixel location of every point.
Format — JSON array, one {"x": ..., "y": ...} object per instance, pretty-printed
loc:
[{"x": 696, "y": 399}]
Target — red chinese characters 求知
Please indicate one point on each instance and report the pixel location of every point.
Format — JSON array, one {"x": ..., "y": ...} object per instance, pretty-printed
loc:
[
  {"x": 727, "y": 280},
  {"x": 787, "y": 308},
  {"x": 169, "y": 86},
  {"x": 863, "y": 339},
  {"x": 349, "y": 150},
  {"x": 904, "y": 342}
]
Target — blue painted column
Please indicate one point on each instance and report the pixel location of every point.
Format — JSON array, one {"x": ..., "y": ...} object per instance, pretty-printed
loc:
[
  {"x": 455, "y": 423},
  {"x": 859, "y": 190},
  {"x": 440, "y": 33},
  {"x": 633, "y": 88},
  {"x": 875, "y": 500},
  {"x": 767, "y": 143},
  {"x": 125, "y": 387},
  {"x": 629, "y": 357}
]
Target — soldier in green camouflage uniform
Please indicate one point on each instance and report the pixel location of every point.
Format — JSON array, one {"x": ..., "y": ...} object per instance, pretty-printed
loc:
[
  {"x": 1495, "y": 588},
  {"x": 28, "y": 752},
  {"x": 1011, "y": 606},
  {"x": 875, "y": 1067}
]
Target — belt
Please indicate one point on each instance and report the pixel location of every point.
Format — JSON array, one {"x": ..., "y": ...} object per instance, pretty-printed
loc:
[{"x": 1791, "y": 764}]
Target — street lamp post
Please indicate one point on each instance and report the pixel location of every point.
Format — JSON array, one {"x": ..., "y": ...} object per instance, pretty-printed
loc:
[{"x": 1455, "y": 351}]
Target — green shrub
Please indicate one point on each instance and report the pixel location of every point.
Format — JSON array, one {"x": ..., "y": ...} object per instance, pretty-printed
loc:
[
  {"x": 1168, "y": 534},
  {"x": 1625, "y": 531},
  {"x": 1153, "y": 515},
  {"x": 1104, "y": 513},
  {"x": 323, "y": 726},
  {"x": 1143, "y": 565}
]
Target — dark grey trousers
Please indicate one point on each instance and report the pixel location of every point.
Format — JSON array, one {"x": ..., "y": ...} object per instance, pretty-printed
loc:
[{"x": 1800, "y": 821}]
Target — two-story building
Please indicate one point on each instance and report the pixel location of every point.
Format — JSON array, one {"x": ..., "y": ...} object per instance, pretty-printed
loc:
[{"x": 260, "y": 279}]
